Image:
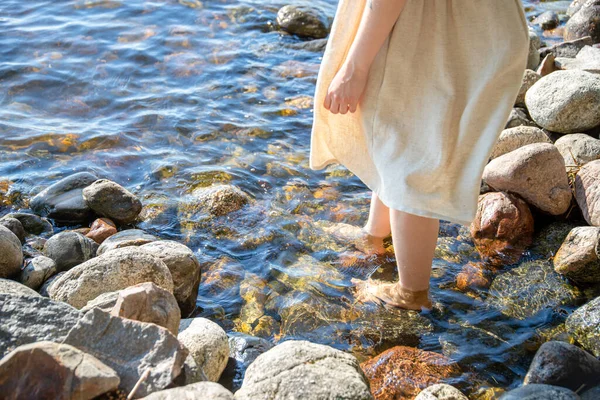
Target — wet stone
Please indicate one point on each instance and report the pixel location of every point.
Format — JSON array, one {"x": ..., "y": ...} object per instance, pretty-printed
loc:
[
  {"x": 37, "y": 271},
  {"x": 578, "y": 257},
  {"x": 69, "y": 249},
  {"x": 584, "y": 325},
  {"x": 302, "y": 21},
  {"x": 15, "y": 226},
  {"x": 63, "y": 201},
  {"x": 111, "y": 200},
  {"x": 529, "y": 289},
  {"x": 32, "y": 223},
  {"x": 402, "y": 372},
  {"x": 101, "y": 229},
  {"x": 126, "y": 238},
  {"x": 537, "y": 391},
  {"x": 12, "y": 255}
]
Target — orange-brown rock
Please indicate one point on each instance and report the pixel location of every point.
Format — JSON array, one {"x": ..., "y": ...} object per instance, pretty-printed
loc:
[
  {"x": 402, "y": 372},
  {"x": 473, "y": 276},
  {"x": 101, "y": 229},
  {"x": 502, "y": 228}
]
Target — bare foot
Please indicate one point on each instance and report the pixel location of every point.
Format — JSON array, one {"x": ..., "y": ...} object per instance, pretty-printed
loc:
[
  {"x": 391, "y": 293},
  {"x": 356, "y": 236}
]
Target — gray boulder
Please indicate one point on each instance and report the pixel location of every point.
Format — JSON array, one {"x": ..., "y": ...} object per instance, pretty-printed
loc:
[
  {"x": 578, "y": 149},
  {"x": 110, "y": 272},
  {"x": 105, "y": 302},
  {"x": 562, "y": 364},
  {"x": 578, "y": 256},
  {"x": 441, "y": 391},
  {"x": 63, "y": 201},
  {"x": 587, "y": 192},
  {"x": 591, "y": 394},
  {"x": 584, "y": 22},
  {"x": 54, "y": 371},
  {"x": 29, "y": 319},
  {"x": 303, "y": 21},
  {"x": 529, "y": 289},
  {"x": 32, "y": 223},
  {"x": 547, "y": 20},
  {"x": 588, "y": 59},
  {"x": 15, "y": 226},
  {"x": 12, "y": 255},
  {"x": 529, "y": 78},
  {"x": 301, "y": 369},
  {"x": 536, "y": 172},
  {"x": 69, "y": 249},
  {"x": 584, "y": 325},
  {"x": 131, "y": 348},
  {"x": 565, "y": 101},
  {"x": 207, "y": 343},
  {"x": 568, "y": 48},
  {"x": 111, "y": 200},
  {"x": 126, "y": 238},
  {"x": 513, "y": 138},
  {"x": 11, "y": 287},
  {"x": 518, "y": 117},
  {"x": 534, "y": 50},
  {"x": 243, "y": 350},
  {"x": 37, "y": 271},
  {"x": 185, "y": 270},
  {"x": 200, "y": 390},
  {"x": 539, "y": 391}
]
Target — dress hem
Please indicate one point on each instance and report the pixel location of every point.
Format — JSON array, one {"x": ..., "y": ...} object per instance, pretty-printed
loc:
[{"x": 411, "y": 210}]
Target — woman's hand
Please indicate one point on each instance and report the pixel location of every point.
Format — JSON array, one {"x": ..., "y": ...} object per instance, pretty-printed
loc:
[{"x": 346, "y": 89}]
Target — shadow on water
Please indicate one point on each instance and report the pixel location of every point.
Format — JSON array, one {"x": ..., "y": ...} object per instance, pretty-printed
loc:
[{"x": 167, "y": 97}]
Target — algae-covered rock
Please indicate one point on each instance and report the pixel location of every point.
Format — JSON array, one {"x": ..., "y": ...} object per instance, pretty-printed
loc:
[{"x": 584, "y": 324}]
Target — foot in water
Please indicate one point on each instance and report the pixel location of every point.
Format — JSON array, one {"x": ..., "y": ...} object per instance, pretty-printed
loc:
[
  {"x": 357, "y": 236},
  {"x": 391, "y": 294}
]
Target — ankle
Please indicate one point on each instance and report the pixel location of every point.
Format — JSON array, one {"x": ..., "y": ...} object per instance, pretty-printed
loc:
[{"x": 374, "y": 234}]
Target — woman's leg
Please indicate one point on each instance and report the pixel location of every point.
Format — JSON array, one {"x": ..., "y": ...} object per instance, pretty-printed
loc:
[
  {"x": 415, "y": 239},
  {"x": 378, "y": 224}
]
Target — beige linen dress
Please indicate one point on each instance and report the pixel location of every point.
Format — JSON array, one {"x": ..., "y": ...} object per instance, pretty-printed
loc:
[{"x": 439, "y": 93}]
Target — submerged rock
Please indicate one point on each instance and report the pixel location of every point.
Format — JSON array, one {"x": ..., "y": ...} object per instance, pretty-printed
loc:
[
  {"x": 11, "y": 287},
  {"x": 548, "y": 240},
  {"x": 130, "y": 348},
  {"x": 584, "y": 325},
  {"x": 502, "y": 228},
  {"x": 243, "y": 350},
  {"x": 12, "y": 255},
  {"x": 402, "y": 372},
  {"x": 538, "y": 391},
  {"x": 200, "y": 390},
  {"x": 587, "y": 192},
  {"x": 207, "y": 343},
  {"x": 300, "y": 369},
  {"x": 126, "y": 238},
  {"x": 54, "y": 371},
  {"x": 146, "y": 302},
  {"x": 37, "y": 271},
  {"x": 565, "y": 101},
  {"x": 578, "y": 257},
  {"x": 184, "y": 268},
  {"x": 562, "y": 364},
  {"x": 530, "y": 288},
  {"x": 302, "y": 21},
  {"x": 69, "y": 249},
  {"x": 536, "y": 172},
  {"x": 63, "y": 201},
  {"x": 111, "y": 200},
  {"x": 28, "y": 319},
  {"x": 110, "y": 272},
  {"x": 216, "y": 200}
]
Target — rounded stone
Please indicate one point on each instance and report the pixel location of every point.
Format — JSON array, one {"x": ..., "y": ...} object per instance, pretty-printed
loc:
[
  {"x": 578, "y": 256},
  {"x": 584, "y": 21},
  {"x": 12, "y": 255},
  {"x": 587, "y": 192},
  {"x": 539, "y": 391},
  {"x": 111, "y": 200},
  {"x": 185, "y": 270},
  {"x": 11, "y": 287},
  {"x": 565, "y": 101},
  {"x": 578, "y": 149},
  {"x": 441, "y": 391},
  {"x": 37, "y": 271},
  {"x": 126, "y": 238},
  {"x": 69, "y": 249},
  {"x": 113, "y": 271},
  {"x": 207, "y": 343},
  {"x": 536, "y": 172},
  {"x": 513, "y": 138},
  {"x": 101, "y": 229},
  {"x": 15, "y": 226},
  {"x": 584, "y": 325},
  {"x": 302, "y": 21}
]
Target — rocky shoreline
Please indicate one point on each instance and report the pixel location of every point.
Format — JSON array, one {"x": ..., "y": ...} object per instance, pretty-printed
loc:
[{"x": 105, "y": 310}]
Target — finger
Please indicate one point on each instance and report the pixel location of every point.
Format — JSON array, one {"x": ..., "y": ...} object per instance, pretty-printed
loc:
[
  {"x": 335, "y": 105},
  {"x": 327, "y": 101},
  {"x": 343, "y": 108},
  {"x": 352, "y": 106}
]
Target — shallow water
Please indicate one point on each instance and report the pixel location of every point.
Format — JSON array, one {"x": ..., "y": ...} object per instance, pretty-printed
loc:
[{"x": 168, "y": 96}]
